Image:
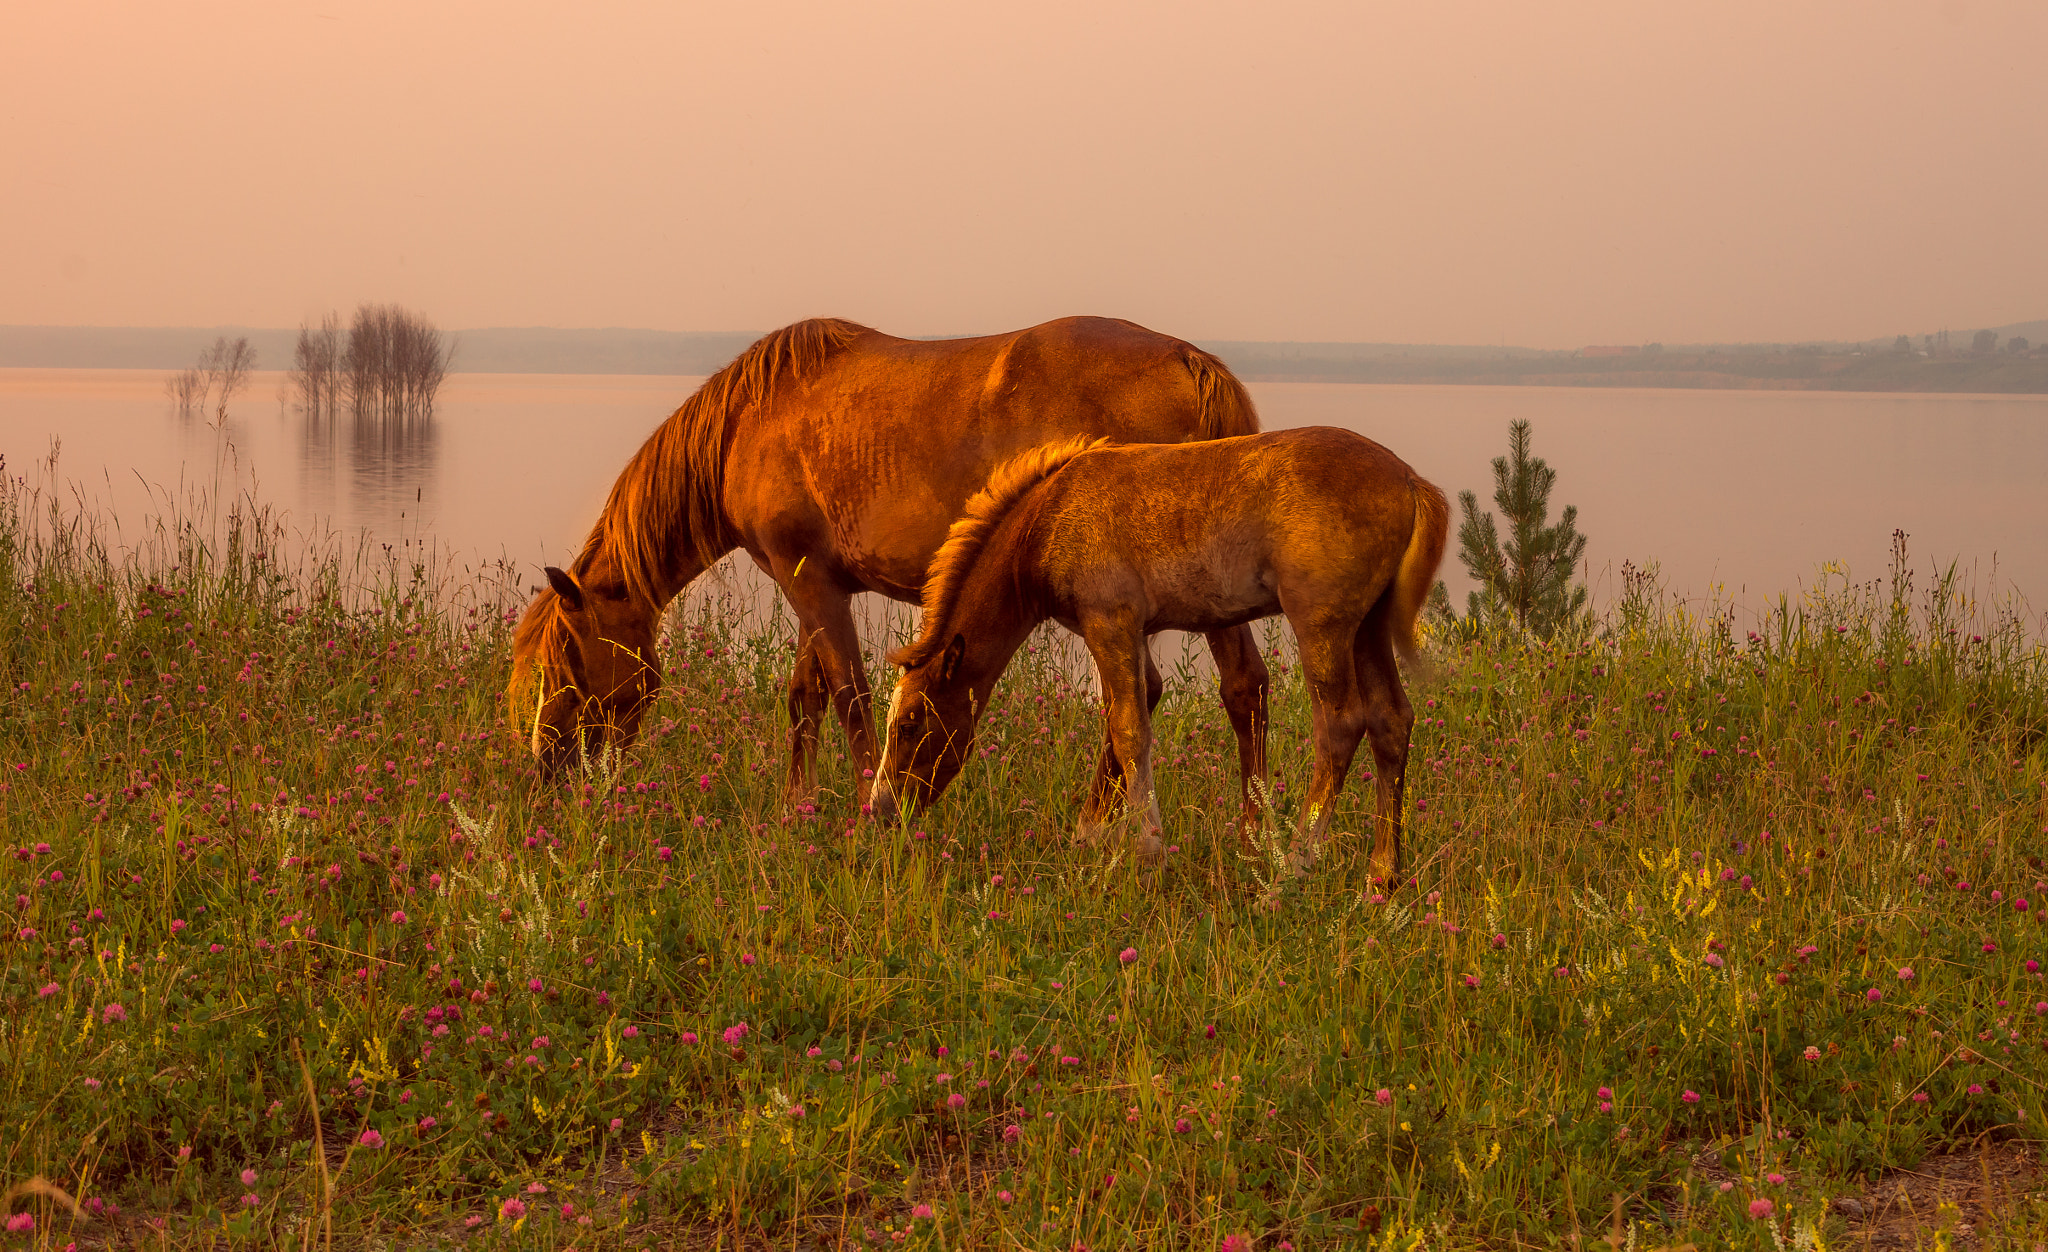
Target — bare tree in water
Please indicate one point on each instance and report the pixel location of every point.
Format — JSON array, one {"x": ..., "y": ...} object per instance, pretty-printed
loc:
[
  {"x": 187, "y": 389},
  {"x": 227, "y": 365},
  {"x": 221, "y": 371},
  {"x": 316, "y": 375},
  {"x": 394, "y": 363}
]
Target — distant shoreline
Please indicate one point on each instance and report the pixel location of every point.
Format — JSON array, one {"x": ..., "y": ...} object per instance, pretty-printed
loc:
[
  {"x": 1777, "y": 367},
  {"x": 1987, "y": 382},
  {"x": 12, "y": 378},
  {"x": 1991, "y": 373}
]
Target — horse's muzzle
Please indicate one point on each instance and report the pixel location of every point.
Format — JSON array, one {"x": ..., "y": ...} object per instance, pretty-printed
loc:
[{"x": 882, "y": 802}]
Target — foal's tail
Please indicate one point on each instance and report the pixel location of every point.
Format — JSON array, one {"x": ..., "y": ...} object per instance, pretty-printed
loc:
[
  {"x": 1223, "y": 407},
  {"x": 1418, "y": 565}
]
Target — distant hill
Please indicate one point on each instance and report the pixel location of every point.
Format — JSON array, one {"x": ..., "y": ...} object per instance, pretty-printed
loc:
[
  {"x": 490, "y": 350},
  {"x": 131, "y": 347},
  {"x": 2032, "y": 332},
  {"x": 1812, "y": 365}
]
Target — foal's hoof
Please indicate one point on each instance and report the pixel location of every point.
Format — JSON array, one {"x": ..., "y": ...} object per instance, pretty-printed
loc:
[
  {"x": 1090, "y": 834},
  {"x": 1300, "y": 861},
  {"x": 1150, "y": 851}
]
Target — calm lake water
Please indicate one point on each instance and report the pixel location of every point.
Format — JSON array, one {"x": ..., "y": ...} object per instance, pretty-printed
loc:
[{"x": 1744, "y": 494}]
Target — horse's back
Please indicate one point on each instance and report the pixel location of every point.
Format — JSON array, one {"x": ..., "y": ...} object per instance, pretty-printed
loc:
[
  {"x": 1207, "y": 535},
  {"x": 888, "y": 437},
  {"x": 1068, "y": 376},
  {"x": 1295, "y": 490}
]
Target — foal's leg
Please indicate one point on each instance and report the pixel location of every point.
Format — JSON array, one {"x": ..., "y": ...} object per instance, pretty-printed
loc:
[
  {"x": 806, "y": 702},
  {"x": 1242, "y": 674},
  {"x": 827, "y": 617},
  {"x": 1337, "y": 720},
  {"x": 1106, "y": 793},
  {"x": 1389, "y": 721},
  {"x": 1124, "y": 662}
]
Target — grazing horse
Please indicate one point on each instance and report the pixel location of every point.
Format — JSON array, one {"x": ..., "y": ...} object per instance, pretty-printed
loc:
[
  {"x": 837, "y": 456},
  {"x": 1114, "y": 543}
]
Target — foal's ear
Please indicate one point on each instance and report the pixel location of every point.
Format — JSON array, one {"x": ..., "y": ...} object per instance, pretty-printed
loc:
[
  {"x": 565, "y": 587},
  {"x": 949, "y": 665}
]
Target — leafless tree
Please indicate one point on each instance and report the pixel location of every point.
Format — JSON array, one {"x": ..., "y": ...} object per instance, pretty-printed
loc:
[
  {"x": 394, "y": 364},
  {"x": 226, "y": 366},
  {"x": 316, "y": 367},
  {"x": 187, "y": 389}
]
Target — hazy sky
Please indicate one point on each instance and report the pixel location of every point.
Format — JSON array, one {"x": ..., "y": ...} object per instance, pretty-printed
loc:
[{"x": 1440, "y": 171}]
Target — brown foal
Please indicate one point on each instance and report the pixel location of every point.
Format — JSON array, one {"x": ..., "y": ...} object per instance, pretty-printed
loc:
[{"x": 1115, "y": 543}]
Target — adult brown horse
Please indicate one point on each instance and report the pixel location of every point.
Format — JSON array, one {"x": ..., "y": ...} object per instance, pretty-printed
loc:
[
  {"x": 837, "y": 456},
  {"x": 1323, "y": 525}
]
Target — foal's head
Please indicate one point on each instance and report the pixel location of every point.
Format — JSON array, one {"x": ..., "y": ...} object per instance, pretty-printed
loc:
[
  {"x": 583, "y": 669},
  {"x": 930, "y": 731}
]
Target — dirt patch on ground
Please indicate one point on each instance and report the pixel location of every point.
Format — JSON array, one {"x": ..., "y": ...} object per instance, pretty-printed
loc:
[
  {"x": 1976, "y": 1194},
  {"x": 1905, "y": 1208}
]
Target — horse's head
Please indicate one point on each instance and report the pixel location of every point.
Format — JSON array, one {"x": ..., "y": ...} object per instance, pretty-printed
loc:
[
  {"x": 930, "y": 731},
  {"x": 583, "y": 669}
]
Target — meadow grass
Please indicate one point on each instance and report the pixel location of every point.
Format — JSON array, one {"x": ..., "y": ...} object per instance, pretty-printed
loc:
[{"x": 1700, "y": 929}]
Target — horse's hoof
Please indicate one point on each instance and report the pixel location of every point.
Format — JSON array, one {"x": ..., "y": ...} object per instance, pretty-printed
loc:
[
  {"x": 1300, "y": 861},
  {"x": 1089, "y": 834},
  {"x": 1151, "y": 852}
]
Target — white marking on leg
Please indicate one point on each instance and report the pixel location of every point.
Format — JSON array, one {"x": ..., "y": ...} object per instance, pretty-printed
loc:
[
  {"x": 889, "y": 720},
  {"x": 1147, "y": 800}
]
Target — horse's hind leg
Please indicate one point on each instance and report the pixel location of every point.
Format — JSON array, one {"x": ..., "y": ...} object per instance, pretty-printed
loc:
[
  {"x": 1337, "y": 720},
  {"x": 1106, "y": 793},
  {"x": 1389, "y": 722},
  {"x": 1242, "y": 674}
]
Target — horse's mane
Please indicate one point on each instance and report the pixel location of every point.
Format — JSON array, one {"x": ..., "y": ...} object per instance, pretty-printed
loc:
[
  {"x": 532, "y": 639},
  {"x": 676, "y": 480},
  {"x": 1008, "y": 483}
]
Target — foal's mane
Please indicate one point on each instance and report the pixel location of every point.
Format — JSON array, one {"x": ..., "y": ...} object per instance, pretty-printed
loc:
[
  {"x": 1008, "y": 483},
  {"x": 677, "y": 478}
]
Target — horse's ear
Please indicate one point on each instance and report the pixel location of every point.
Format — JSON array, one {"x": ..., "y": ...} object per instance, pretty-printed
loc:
[
  {"x": 565, "y": 587},
  {"x": 950, "y": 665}
]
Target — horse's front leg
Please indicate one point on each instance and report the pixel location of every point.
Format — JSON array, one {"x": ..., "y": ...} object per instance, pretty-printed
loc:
[
  {"x": 805, "y": 699},
  {"x": 830, "y": 637},
  {"x": 1123, "y": 662},
  {"x": 1106, "y": 793}
]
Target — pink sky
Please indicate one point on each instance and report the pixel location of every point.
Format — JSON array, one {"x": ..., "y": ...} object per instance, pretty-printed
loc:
[{"x": 1452, "y": 172}]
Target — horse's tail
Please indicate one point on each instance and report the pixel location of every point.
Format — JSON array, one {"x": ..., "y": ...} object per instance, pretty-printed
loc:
[
  {"x": 1418, "y": 565},
  {"x": 1223, "y": 407}
]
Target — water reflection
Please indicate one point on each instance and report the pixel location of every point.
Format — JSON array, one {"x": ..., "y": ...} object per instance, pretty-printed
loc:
[
  {"x": 381, "y": 472},
  {"x": 320, "y": 461},
  {"x": 391, "y": 465}
]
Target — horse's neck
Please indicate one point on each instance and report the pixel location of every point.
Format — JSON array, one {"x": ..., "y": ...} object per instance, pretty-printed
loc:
[
  {"x": 1006, "y": 595},
  {"x": 681, "y": 562},
  {"x": 681, "y": 569}
]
